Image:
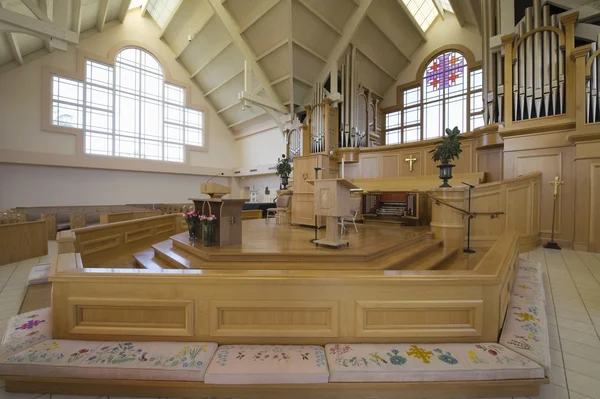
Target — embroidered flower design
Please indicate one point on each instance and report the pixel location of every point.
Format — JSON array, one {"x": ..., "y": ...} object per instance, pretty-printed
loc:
[
  {"x": 396, "y": 358},
  {"x": 419, "y": 353}
]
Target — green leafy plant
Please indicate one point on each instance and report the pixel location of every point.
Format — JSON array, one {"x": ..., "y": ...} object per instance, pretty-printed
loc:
[
  {"x": 449, "y": 148},
  {"x": 283, "y": 167}
]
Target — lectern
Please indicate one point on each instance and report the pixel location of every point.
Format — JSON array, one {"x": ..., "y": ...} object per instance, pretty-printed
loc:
[
  {"x": 332, "y": 200},
  {"x": 228, "y": 227},
  {"x": 214, "y": 190}
]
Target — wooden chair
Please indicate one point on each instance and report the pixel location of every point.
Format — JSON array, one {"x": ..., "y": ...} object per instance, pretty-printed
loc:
[
  {"x": 282, "y": 204},
  {"x": 355, "y": 203}
]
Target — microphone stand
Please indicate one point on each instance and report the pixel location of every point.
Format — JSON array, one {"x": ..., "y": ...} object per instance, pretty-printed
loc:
[
  {"x": 317, "y": 169},
  {"x": 468, "y": 249},
  {"x": 218, "y": 174}
]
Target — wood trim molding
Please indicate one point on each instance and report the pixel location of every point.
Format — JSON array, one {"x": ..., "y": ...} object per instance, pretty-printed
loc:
[
  {"x": 110, "y": 59},
  {"x": 594, "y": 170}
]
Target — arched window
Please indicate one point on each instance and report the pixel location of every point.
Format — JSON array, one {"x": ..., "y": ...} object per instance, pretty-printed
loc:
[
  {"x": 448, "y": 95},
  {"x": 128, "y": 110}
]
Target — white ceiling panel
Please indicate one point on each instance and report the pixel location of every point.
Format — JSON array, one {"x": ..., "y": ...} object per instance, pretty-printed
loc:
[
  {"x": 228, "y": 93},
  {"x": 276, "y": 64},
  {"x": 191, "y": 16},
  {"x": 336, "y": 11},
  {"x": 246, "y": 11},
  {"x": 391, "y": 19},
  {"x": 283, "y": 90},
  {"x": 224, "y": 66},
  {"x": 89, "y": 14},
  {"x": 300, "y": 92},
  {"x": 271, "y": 29},
  {"x": 306, "y": 66},
  {"x": 370, "y": 76},
  {"x": 312, "y": 32},
  {"x": 28, "y": 44},
  {"x": 114, "y": 6},
  {"x": 235, "y": 113},
  {"x": 206, "y": 45},
  {"x": 5, "y": 52},
  {"x": 375, "y": 45}
]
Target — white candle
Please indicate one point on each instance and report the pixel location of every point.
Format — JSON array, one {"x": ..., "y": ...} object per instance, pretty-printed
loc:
[{"x": 342, "y": 168}]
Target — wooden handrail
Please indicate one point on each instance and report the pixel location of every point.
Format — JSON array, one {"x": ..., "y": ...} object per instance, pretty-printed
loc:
[{"x": 471, "y": 215}]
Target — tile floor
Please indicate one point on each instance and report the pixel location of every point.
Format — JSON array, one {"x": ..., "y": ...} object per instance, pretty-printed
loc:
[{"x": 572, "y": 281}]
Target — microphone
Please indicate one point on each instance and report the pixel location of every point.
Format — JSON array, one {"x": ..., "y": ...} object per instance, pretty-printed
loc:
[
  {"x": 467, "y": 184},
  {"x": 218, "y": 174}
]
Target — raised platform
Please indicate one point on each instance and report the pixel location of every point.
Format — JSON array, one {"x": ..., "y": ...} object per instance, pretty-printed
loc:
[{"x": 272, "y": 246}]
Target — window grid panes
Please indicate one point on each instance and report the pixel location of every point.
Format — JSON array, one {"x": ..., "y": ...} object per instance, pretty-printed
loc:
[
  {"x": 128, "y": 110},
  {"x": 449, "y": 95}
]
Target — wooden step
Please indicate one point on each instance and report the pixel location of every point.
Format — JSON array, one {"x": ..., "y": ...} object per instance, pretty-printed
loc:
[
  {"x": 176, "y": 258},
  {"x": 148, "y": 261},
  {"x": 434, "y": 260},
  {"x": 404, "y": 258}
]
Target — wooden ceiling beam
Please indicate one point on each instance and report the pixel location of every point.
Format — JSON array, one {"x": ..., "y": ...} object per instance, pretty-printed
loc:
[
  {"x": 272, "y": 49},
  {"x": 267, "y": 6},
  {"x": 378, "y": 65},
  {"x": 102, "y": 13},
  {"x": 459, "y": 11},
  {"x": 323, "y": 18},
  {"x": 44, "y": 13},
  {"x": 123, "y": 10},
  {"x": 23, "y": 24},
  {"x": 228, "y": 107},
  {"x": 233, "y": 28},
  {"x": 168, "y": 21},
  {"x": 14, "y": 46},
  {"x": 202, "y": 25},
  {"x": 241, "y": 122},
  {"x": 348, "y": 32},
  {"x": 391, "y": 40}
]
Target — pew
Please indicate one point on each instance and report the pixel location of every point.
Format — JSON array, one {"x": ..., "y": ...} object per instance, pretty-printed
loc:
[{"x": 24, "y": 240}]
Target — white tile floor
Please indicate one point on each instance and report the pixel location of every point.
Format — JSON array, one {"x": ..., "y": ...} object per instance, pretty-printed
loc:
[{"x": 572, "y": 281}]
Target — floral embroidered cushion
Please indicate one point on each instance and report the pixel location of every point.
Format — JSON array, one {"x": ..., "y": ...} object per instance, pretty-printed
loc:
[
  {"x": 268, "y": 364},
  {"x": 179, "y": 361},
  {"x": 529, "y": 271},
  {"x": 25, "y": 330},
  {"x": 39, "y": 274},
  {"x": 427, "y": 362},
  {"x": 525, "y": 330},
  {"x": 528, "y": 290}
]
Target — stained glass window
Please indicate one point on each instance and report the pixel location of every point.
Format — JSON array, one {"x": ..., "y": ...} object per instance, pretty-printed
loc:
[
  {"x": 449, "y": 95},
  {"x": 128, "y": 110}
]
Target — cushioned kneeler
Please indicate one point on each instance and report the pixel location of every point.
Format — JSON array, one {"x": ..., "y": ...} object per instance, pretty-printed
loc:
[
  {"x": 173, "y": 361},
  {"x": 268, "y": 364},
  {"x": 26, "y": 330},
  {"x": 427, "y": 362},
  {"x": 528, "y": 281},
  {"x": 39, "y": 274},
  {"x": 525, "y": 330}
]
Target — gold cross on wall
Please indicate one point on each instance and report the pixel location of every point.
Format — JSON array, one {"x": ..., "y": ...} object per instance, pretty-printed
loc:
[
  {"x": 556, "y": 182},
  {"x": 410, "y": 161}
]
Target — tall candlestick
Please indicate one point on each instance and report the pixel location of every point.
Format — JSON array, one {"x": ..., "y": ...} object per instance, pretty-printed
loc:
[{"x": 342, "y": 168}]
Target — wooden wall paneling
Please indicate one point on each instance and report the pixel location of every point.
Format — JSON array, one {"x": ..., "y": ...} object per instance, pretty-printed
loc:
[
  {"x": 485, "y": 231},
  {"x": 551, "y": 162},
  {"x": 593, "y": 207},
  {"x": 418, "y": 165},
  {"x": 389, "y": 165},
  {"x": 370, "y": 166},
  {"x": 490, "y": 161},
  {"x": 19, "y": 241},
  {"x": 464, "y": 164}
]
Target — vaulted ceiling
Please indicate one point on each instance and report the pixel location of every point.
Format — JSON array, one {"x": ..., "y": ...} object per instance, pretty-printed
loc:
[{"x": 290, "y": 44}]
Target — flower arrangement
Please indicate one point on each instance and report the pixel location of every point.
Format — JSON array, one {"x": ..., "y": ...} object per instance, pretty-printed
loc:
[
  {"x": 208, "y": 229},
  {"x": 447, "y": 150},
  {"x": 191, "y": 218}
]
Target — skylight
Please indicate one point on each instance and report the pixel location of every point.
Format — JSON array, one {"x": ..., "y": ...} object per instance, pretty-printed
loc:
[
  {"x": 425, "y": 11},
  {"x": 136, "y": 4},
  {"x": 446, "y": 5},
  {"x": 161, "y": 10}
]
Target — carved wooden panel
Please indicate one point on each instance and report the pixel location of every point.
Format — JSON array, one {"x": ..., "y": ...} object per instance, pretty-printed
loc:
[
  {"x": 389, "y": 165},
  {"x": 369, "y": 166},
  {"x": 138, "y": 234},
  {"x": 133, "y": 316},
  {"x": 99, "y": 244},
  {"x": 236, "y": 318},
  {"x": 518, "y": 209},
  {"x": 438, "y": 318}
]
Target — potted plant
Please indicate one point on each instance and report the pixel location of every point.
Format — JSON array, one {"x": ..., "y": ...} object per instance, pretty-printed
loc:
[
  {"x": 283, "y": 169},
  {"x": 208, "y": 229},
  {"x": 191, "y": 218},
  {"x": 445, "y": 152}
]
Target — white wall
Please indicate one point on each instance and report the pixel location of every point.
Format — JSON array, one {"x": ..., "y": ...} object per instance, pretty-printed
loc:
[
  {"x": 443, "y": 32},
  {"x": 31, "y": 185},
  {"x": 259, "y": 149},
  {"x": 22, "y": 140}
]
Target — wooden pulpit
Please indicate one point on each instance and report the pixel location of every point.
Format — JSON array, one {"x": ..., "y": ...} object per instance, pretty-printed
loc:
[
  {"x": 228, "y": 226},
  {"x": 332, "y": 200}
]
